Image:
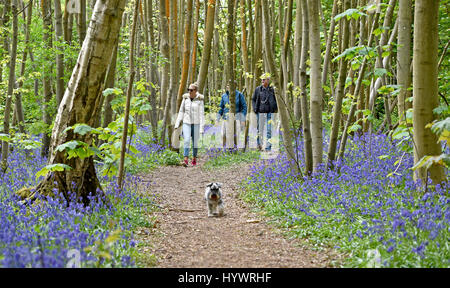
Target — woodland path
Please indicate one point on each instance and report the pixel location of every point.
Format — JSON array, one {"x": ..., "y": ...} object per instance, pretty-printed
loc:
[{"x": 185, "y": 237}]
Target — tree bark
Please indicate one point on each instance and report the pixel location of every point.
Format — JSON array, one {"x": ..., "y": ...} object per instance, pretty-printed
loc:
[
  {"x": 82, "y": 21},
  {"x": 174, "y": 66},
  {"x": 304, "y": 98},
  {"x": 165, "y": 51},
  {"x": 404, "y": 56},
  {"x": 337, "y": 111},
  {"x": 297, "y": 58},
  {"x": 59, "y": 53},
  {"x": 19, "y": 107},
  {"x": 128, "y": 100},
  {"x": 47, "y": 86},
  {"x": 193, "y": 71},
  {"x": 425, "y": 87},
  {"x": 109, "y": 83},
  {"x": 209, "y": 29},
  {"x": 316, "y": 83},
  {"x": 230, "y": 131}
]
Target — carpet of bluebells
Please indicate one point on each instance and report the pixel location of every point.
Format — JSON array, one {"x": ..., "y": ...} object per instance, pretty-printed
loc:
[
  {"x": 50, "y": 234},
  {"x": 369, "y": 207}
]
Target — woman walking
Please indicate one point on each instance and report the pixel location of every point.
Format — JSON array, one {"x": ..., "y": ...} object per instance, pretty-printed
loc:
[{"x": 192, "y": 113}]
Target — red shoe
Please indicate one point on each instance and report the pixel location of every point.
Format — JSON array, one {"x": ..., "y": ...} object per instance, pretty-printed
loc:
[
  {"x": 194, "y": 162},
  {"x": 186, "y": 163}
]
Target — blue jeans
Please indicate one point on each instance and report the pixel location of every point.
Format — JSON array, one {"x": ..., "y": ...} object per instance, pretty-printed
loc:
[
  {"x": 191, "y": 131},
  {"x": 260, "y": 127}
]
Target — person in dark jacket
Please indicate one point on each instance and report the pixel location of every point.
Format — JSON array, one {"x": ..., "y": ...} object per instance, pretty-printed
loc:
[
  {"x": 241, "y": 110},
  {"x": 264, "y": 104}
]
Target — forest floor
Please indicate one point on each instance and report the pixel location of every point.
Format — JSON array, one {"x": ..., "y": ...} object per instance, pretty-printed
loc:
[{"x": 184, "y": 236}]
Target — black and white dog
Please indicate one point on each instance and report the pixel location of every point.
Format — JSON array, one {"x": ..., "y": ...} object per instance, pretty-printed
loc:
[{"x": 213, "y": 197}]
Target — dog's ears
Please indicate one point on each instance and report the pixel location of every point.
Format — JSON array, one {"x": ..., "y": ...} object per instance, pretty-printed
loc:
[{"x": 217, "y": 183}]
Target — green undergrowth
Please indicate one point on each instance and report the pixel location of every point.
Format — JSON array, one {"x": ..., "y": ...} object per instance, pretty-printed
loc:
[{"x": 225, "y": 159}]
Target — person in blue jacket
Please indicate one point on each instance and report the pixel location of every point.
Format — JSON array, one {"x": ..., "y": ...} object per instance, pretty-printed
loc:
[{"x": 241, "y": 110}]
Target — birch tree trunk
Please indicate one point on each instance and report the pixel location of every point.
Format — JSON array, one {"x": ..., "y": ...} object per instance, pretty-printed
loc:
[
  {"x": 425, "y": 86},
  {"x": 82, "y": 21},
  {"x": 81, "y": 104},
  {"x": 316, "y": 83}
]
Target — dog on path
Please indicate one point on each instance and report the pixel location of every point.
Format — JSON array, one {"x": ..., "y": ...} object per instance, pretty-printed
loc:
[{"x": 213, "y": 197}]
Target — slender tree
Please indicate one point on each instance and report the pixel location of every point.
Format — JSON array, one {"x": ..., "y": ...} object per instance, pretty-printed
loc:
[
  {"x": 47, "y": 85},
  {"x": 59, "y": 53},
  {"x": 129, "y": 95},
  {"x": 425, "y": 86},
  {"x": 209, "y": 29},
  {"x": 404, "y": 56},
  {"x": 231, "y": 123},
  {"x": 316, "y": 83}
]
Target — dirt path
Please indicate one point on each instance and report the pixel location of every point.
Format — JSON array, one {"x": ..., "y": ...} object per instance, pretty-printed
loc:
[{"x": 185, "y": 237}]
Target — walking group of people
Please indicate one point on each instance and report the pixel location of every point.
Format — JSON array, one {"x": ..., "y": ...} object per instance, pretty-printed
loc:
[{"x": 192, "y": 117}]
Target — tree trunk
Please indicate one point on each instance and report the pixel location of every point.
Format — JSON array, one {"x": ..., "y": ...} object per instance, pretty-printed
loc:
[
  {"x": 340, "y": 89},
  {"x": 193, "y": 71},
  {"x": 174, "y": 67},
  {"x": 297, "y": 58},
  {"x": 209, "y": 29},
  {"x": 11, "y": 85},
  {"x": 316, "y": 83},
  {"x": 81, "y": 104},
  {"x": 186, "y": 54},
  {"x": 48, "y": 65},
  {"x": 128, "y": 100},
  {"x": 59, "y": 53},
  {"x": 82, "y": 21},
  {"x": 152, "y": 77},
  {"x": 109, "y": 83},
  {"x": 19, "y": 108},
  {"x": 425, "y": 83},
  {"x": 285, "y": 50},
  {"x": 404, "y": 56},
  {"x": 304, "y": 98},
  {"x": 230, "y": 131},
  {"x": 165, "y": 51}
]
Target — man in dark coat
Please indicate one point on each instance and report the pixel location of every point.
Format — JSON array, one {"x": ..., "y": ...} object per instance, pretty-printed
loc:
[{"x": 264, "y": 104}]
